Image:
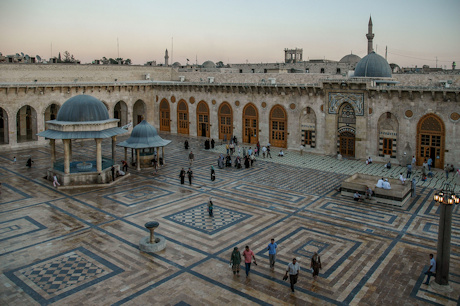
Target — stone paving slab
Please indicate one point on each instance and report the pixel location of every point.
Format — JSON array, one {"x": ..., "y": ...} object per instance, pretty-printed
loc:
[{"x": 80, "y": 246}]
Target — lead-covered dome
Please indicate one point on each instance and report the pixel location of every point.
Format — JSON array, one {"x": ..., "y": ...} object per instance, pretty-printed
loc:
[
  {"x": 350, "y": 59},
  {"x": 373, "y": 66},
  {"x": 82, "y": 108},
  {"x": 144, "y": 136},
  {"x": 208, "y": 64}
]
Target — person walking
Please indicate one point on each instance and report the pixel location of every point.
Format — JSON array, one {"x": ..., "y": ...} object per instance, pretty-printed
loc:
[
  {"x": 272, "y": 252},
  {"x": 430, "y": 163},
  {"x": 413, "y": 186},
  {"x": 182, "y": 176},
  {"x": 213, "y": 174},
  {"x": 409, "y": 171},
  {"x": 113, "y": 173},
  {"x": 210, "y": 208},
  {"x": 235, "y": 261},
  {"x": 414, "y": 160},
  {"x": 190, "y": 176},
  {"x": 186, "y": 144},
  {"x": 29, "y": 162},
  {"x": 293, "y": 269},
  {"x": 14, "y": 159},
  {"x": 212, "y": 143},
  {"x": 315, "y": 265},
  {"x": 55, "y": 181},
  {"x": 248, "y": 255},
  {"x": 124, "y": 165},
  {"x": 191, "y": 157},
  {"x": 264, "y": 151},
  {"x": 268, "y": 152},
  {"x": 431, "y": 270}
]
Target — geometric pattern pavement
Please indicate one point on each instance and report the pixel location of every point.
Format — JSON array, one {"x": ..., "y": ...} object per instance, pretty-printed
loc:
[
  {"x": 198, "y": 218},
  {"x": 81, "y": 246}
]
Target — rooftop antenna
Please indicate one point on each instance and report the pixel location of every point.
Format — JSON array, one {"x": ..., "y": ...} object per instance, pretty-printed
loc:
[
  {"x": 196, "y": 59},
  {"x": 51, "y": 49},
  {"x": 118, "y": 48},
  {"x": 172, "y": 50}
]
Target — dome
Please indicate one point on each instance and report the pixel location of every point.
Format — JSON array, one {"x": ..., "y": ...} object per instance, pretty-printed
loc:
[
  {"x": 143, "y": 130},
  {"x": 144, "y": 135},
  {"x": 82, "y": 108},
  {"x": 350, "y": 59},
  {"x": 209, "y": 64},
  {"x": 373, "y": 66},
  {"x": 176, "y": 64}
]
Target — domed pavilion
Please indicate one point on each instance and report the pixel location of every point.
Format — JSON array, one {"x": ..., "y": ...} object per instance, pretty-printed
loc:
[
  {"x": 146, "y": 141},
  {"x": 82, "y": 117}
]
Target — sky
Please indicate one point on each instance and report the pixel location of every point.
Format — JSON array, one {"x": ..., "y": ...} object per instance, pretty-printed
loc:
[{"x": 416, "y": 32}]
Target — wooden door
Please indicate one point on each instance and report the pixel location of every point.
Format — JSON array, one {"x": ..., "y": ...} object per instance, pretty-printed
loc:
[{"x": 347, "y": 144}]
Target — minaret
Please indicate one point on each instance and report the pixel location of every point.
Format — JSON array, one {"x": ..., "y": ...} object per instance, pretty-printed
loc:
[
  {"x": 369, "y": 36},
  {"x": 166, "y": 57}
]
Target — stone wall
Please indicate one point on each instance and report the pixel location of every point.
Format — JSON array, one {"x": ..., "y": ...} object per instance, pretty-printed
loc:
[{"x": 20, "y": 73}]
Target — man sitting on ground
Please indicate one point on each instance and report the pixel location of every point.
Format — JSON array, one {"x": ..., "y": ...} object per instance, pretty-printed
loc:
[
  {"x": 386, "y": 184},
  {"x": 380, "y": 183},
  {"x": 369, "y": 193},
  {"x": 357, "y": 196},
  {"x": 281, "y": 154}
]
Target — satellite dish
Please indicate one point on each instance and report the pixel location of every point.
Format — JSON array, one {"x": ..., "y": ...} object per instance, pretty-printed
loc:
[
  {"x": 38, "y": 58},
  {"x": 27, "y": 57},
  {"x": 22, "y": 53}
]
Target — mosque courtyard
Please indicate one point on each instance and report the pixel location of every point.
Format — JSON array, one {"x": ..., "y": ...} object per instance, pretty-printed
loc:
[{"x": 81, "y": 246}]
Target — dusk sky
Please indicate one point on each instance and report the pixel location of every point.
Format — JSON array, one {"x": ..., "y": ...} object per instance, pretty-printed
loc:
[{"x": 232, "y": 31}]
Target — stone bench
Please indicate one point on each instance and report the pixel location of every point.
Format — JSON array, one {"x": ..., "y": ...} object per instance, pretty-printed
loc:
[{"x": 398, "y": 195}]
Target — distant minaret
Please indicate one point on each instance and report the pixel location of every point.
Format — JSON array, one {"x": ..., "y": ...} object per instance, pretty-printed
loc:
[
  {"x": 166, "y": 57},
  {"x": 369, "y": 36}
]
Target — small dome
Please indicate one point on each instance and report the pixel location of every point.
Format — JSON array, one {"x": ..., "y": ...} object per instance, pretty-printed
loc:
[
  {"x": 142, "y": 131},
  {"x": 209, "y": 64},
  {"x": 82, "y": 108},
  {"x": 176, "y": 64},
  {"x": 350, "y": 59},
  {"x": 373, "y": 66}
]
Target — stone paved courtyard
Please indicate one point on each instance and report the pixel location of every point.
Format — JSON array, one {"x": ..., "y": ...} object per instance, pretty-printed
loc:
[{"x": 80, "y": 246}]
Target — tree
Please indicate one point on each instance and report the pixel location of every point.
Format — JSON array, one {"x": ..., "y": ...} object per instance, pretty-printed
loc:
[
  {"x": 69, "y": 58},
  {"x": 128, "y": 61}
]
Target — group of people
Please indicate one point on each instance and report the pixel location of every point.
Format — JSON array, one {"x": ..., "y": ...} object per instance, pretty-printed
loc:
[
  {"x": 368, "y": 193},
  {"x": 383, "y": 183},
  {"x": 292, "y": 270},
  {"x": 209, "y": 144}
]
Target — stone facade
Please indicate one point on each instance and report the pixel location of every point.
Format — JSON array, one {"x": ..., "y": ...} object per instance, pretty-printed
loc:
[{"x": 315, "y": 110}]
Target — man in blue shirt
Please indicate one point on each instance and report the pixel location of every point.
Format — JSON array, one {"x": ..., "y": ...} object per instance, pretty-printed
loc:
[
  {"x": 431, "y": 270},
  {"x": 272, "y": 252},
  {"x": 430, "y": 163}
]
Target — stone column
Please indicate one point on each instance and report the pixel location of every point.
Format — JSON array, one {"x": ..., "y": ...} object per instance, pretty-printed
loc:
[
  {"x": 99, "y": 154},
  {"x": 138, "y": 160},
  {"x": 443, "y": 250},
  {"x": 53, "y": 151},
  {"x": 114, "y": 141},
  {"x": 126, "y": 155},
  {"x": 70, "y": 149},
  {"x": 66, "y": 143},
  {"x": 163, "y": 155}
]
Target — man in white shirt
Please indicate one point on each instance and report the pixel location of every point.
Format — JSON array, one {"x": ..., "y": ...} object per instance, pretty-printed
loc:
[
  {"x": 380, "y": 183},
  {"x": 431, "y": 270},
  {"x": 386, "y": 184},
  {"x": 402, "y": 179},
  {"x": 293, "y": 269}
]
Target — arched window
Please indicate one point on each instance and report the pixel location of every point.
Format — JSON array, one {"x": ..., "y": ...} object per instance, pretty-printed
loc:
[
  {"x": 431, "y": 140},
  {"x": 278, "y": 127},
  {"x": 139, "y": 111},
  {"x": 250, "y": 124},
  {"x": 182, "y": 118},
  {"x": 164, "y": 116},
  {"x": 225, "y": 121}
]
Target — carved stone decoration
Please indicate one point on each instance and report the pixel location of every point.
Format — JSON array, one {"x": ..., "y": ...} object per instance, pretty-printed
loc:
[
  {"x": 173, "y": 99},
  {"x": 455, "y": 116},
  {"x": 192, "y": 100},
  {"x": 292, "y": 105},
  {"x": 356, "y": 100},
  {"x": 264, "y": 104},
  {"x": 370, "y": 110},
  {"x": 237, "y": 103},
  {"x": 213, "y": 102},
  {"x": 157, "y": 97},
  {"x": 408, "y": 113}
]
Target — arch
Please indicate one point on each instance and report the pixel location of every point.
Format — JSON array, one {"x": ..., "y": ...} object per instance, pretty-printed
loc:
[
  {"x": 120, "y": 111},
  {"x": 431, "y": 138},
  {"x": 250, "y": 124},
  {"x": 139, "y": 110},
  {"x": 308, "y": 127},
  {"x": 182, "y": 117},
  {"x": 4, "y": 136},
  {"x": 388, "y": 127},
  {"x": 50, "y": 113},
  {"x": 346, "y": 129},
  {"x": 278, "y": 126},
  {"x": 165, "y": 119},
  {"x": 202, "y": 119},
  {"x": 225, "y": 114},
  {"x": 26, "y": 124}
]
